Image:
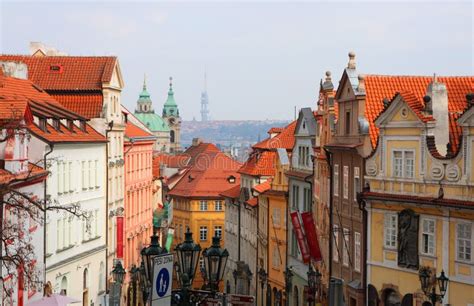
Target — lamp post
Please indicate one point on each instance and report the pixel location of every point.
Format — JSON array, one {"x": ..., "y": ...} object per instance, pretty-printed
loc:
[
  {"x": 288, "y": 283},
  {"x": 134, "y": 272},
  {"x": 263, "y": 279},
  {"x": 148, "y": 254},
  {"x": 143, "y": 282},
  {"x": 428, "y": 285},
  {"x": 314, "y": 280},
  {"x": 118, "y": 274},
  {"x": 215, "y": 260}
]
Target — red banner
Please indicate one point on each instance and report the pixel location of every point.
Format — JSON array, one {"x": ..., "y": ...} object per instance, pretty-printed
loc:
[
  {"x": 119, "y": 237},
  {"x": 311, "y": 236},
  {"x": 295, "y": 220}
]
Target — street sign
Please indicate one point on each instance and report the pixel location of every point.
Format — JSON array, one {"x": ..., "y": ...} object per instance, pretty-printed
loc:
[
  {"x": 162, "y": 280},
  {"x": 241, "y": 300}
]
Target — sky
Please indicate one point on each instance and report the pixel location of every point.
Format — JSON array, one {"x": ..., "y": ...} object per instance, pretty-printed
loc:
[{"x": 262, "y": 59}]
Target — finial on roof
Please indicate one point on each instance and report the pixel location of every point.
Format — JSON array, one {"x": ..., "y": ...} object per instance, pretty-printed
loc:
[
  {"x": 351, "y": 64},
  {"x": 171, "y": 82},
  {"x": 144, "y": 81},
  {"x": 435, "y": 78},
  {"x": 328, "y": 76}
]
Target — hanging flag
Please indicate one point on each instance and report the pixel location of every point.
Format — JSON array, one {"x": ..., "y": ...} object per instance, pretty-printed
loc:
[
  {"x": 119, "y": 236},
  {"x": 169, "y": 239},
  {"x": 311, "y": 236},
  {"x": 295, "y": 220}
]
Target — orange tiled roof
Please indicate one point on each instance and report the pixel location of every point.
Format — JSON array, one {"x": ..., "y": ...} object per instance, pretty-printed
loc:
[
  {"x": 260, "y": 163},
  {"x": 87, "y": 104},
  {"x": 208, "y": 175},
  {"x": 131, "y": 130},
  {"x": 14, "y": 109},
  {"x": 233, "y": 192},
  {"x": 33, "y": 173},
  {"x": 43, "y": 105},
  {"x": 416, "y": 105},
  {"x": 156, "y": 168},
  {"x": 285, "y": 139},
  {"x": 378, "y": 87},
  {"x": 67, "y": 73},
  {"x": 265, "y": 186},
  {"x": 252, "y": 202}
]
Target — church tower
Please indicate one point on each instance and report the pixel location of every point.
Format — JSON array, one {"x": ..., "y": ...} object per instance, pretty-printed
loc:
[{"x": 171, "y": 116}]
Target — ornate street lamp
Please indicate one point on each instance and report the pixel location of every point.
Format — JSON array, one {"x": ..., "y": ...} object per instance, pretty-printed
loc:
[
  {"x": 188, "y": 258},
  {"x": 429, "y": 286},
  {"x": 149, "y": 253},
  {"x": 314, "y": 279},
  {"x": 288, "y": 283},
  {"x": 263, "y": 279},
  {"x": 134, "y": 272},
  {"x": 143, "y": 282},
  {"x": 215, "y": 260},
  {"x": 118, "y": 273}
]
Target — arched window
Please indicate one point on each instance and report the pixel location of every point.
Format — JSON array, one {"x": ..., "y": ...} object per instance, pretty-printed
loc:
[
  {"x": 63, "y": 287},
  {"x": 295, "y": 296},
  {"x": 172, "y": 136},
  {"x": 101, "y": 277},
  {"x": 275, "y": 296},
  {"x": 85, "y": 277},
  {"x": 391, "y": 298}
]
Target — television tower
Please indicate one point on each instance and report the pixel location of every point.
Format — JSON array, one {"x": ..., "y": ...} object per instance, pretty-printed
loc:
[{"x": 204, "y": 102}]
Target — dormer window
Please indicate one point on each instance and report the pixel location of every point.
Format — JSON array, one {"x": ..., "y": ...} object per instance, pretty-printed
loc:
[
  {"x": 70, "y": 125},
  {"x": 83, "y": 126},
  {"x": 56, "y": 68},
  {"x": 42, "y": 124},
  {"x": 56, "y": 124}
]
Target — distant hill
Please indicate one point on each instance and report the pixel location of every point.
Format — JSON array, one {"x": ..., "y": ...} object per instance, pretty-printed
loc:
[{"x": 228, "y": 132}]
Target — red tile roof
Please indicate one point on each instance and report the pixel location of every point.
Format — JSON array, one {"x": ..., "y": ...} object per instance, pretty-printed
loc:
[
  {"x": 233, "y": 192},
  {"x": 252, "y": 202},
  {"x": 265, "y": 186},
  {"x": 14, "y": 109},
  {"x": 156, "y": 168},
  {"x": 260, "y": 163},
  {"x": 87, "y": 104},
  {"x": 207, "y": 176},
  {"x": 34, "y": 172},
  {"x": 43, "y": 105},
  {"x": 416, "y": 105},
  {"x": 131, "y": 131},
  {"x": 285, "y": 139},
  {"x": 378, "y": 87},
  {"x": 67, "y": 73}
]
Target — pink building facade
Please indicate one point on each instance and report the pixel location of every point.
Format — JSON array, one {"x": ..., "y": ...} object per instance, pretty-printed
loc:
[{"x": 138, "y": 216}]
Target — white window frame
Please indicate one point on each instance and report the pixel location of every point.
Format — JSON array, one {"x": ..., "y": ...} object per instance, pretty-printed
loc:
[
  {"x": 468, "y": 242},
  {"x": 335, "y": 243},
  {"x": 345, "y": 247},
  {"x": 336, "y": 180},
  {"x": 203, "y": 206},
  {"x": 404, "y": 163},
  {"x": 203, "y": 233},
  {"x": 357, "y": 184},
  {"x": 345, "y": 182},
  {"x": 428, "y": 234},
  {"x": 218, "y": 229},
  {"x": 218, "y": 205},
  {"x": 393, "y": 227},
  {"x": 357, "y": 249},
  {"x": 276, "y": 257}
]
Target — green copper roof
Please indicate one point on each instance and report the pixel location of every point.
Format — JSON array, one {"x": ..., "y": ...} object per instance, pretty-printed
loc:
[
  {"x": 144, "y": 95},
  {"x": 170, "y": 108},
  {"x": 153, "y": 121}
]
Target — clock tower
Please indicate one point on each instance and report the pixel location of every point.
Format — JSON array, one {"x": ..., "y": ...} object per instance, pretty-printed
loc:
[{"x": 171, "y": 116}]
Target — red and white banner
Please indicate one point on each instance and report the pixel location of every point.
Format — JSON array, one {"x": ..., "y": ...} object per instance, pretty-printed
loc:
[
  {"x": 120, "y": 235},
  {"x": 295, "y": 220},
  {"x": 311, "y": 236}
]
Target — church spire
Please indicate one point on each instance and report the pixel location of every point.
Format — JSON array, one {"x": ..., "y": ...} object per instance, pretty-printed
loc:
[
  {"x": 144, "y": 103},
  {"x": 170, "y": 108},
  {"x": 144, "y": 82}
]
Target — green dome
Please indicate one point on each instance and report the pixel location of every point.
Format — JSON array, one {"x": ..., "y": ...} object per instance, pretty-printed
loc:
[
  {"x": 170, "y": 108},
  {"x": 153, "y": 122}
]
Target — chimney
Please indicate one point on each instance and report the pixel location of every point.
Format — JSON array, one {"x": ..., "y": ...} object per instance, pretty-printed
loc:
[
  {"x": 351, "y": 64},
  {"x": 197, "y": 141},
  {"x": 361, "y": 86},
  {"x": 439, "y": 102},
  {"x": 17, "y": 70}
]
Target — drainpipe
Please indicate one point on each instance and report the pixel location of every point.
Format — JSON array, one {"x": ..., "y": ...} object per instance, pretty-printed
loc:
[
  {"x": 51, "y": 148},
  {"x": 362, "y": 206},
  {"x": 329, "y": 161}
]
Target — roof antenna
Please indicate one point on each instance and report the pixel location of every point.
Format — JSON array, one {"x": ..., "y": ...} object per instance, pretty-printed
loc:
[{"x": 295, "y": 114}]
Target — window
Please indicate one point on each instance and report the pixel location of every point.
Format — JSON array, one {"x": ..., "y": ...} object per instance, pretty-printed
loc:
[
  {"x": 307, "y": 199},
  {"x": 390, "y": 231},
  {"x": 59, "y": 232},
  {"x": 357, "y": 251},
  {"x": 345, "y": 183},
  {"x": 357, "y": 188},
  {"x": 345, "y": 247},
  {"x": 336, "y": 180},
  {"x": 203, "y": 206},
  {"x": 276, "y": 257},
  {"x": 203, "y": 233},
  {"x": 403, "y": 163},
  {"x": 276, "y": 216},
  {"x": 348, "y": 122},
  {"x": 294, "y": 246},
  {"x": 218, "y": 205},
  {"x": 60, "y": 177},
  {"x": 464, "y": 241},
  {"x": 90, "y": 174},
  {"x": 201, "y": 263},
  {"x": 428, "y": 237},
  {"x": 335, "y": 243},
  {"x": 96, "y": 173},
  {"x": 218, "y": 231},
  {"x": 295, "y": 196}
]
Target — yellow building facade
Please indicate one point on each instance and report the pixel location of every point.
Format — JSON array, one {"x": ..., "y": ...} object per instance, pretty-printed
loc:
[{"x": 420, "y": 202}]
